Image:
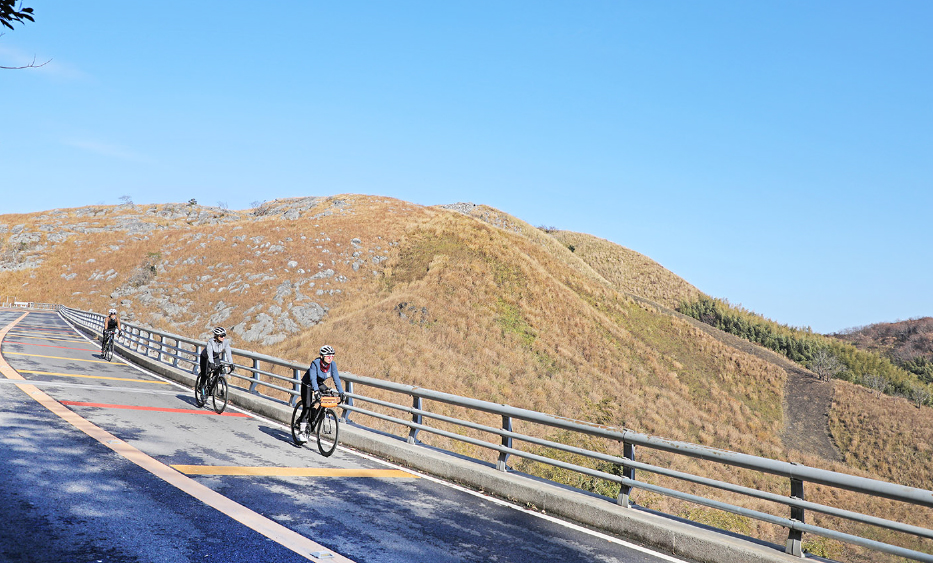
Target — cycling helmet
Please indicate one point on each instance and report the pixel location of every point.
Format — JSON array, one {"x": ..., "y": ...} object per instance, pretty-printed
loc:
[
  {"x": 327, "y": 350},
  {"x": 220, "y": 331},
  {"x": 112, "y": 312}
]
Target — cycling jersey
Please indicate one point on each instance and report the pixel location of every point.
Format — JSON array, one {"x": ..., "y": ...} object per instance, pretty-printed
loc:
[
  {"x": 316, "y": 375},
  {"x": 217, "y": 352}
]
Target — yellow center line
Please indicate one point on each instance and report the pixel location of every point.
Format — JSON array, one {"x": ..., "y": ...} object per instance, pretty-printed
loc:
[
  {"x": 290, "y": 471},
  {"x": 94, "y": 377},
  {"x": 276, "y": 532},
  {"x": 61, "y": 358}
]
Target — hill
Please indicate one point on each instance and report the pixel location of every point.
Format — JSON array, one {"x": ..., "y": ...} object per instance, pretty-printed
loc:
[
  {"x": 908, "y": 344},
  {"x": 460, "y": 298}
]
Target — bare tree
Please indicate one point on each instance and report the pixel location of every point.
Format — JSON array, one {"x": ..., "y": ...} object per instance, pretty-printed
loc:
[
  {"x": 875, "y": 382},
  {"x": 126, "y": 200},
  {"x": 920, "y": 394},
  {"x": 825, "y": 365},
  {"x": 222, "y": 205}
]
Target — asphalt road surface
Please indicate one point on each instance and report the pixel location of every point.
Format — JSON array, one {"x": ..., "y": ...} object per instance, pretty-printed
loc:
[{"x": 105, "y": 463}]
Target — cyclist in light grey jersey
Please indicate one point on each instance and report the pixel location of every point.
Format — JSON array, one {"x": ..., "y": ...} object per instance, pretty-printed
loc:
[{"x": 216, "y": 350}]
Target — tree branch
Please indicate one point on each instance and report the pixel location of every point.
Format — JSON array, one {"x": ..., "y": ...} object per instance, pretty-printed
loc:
[{"x": 30, "y": 65}]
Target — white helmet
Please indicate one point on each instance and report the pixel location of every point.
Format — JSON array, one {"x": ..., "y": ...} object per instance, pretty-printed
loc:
[{"x": 112, "y": 312}]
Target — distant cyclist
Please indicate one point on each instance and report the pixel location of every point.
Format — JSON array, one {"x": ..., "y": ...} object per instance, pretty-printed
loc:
[
  {"x": 112, "y": 328},
  {"x": 320, "y": 370},
  {"x": 216, "y": 350}
]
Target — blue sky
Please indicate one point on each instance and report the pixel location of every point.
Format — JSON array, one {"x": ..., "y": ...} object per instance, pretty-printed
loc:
[{"x": 777, "y": 154}]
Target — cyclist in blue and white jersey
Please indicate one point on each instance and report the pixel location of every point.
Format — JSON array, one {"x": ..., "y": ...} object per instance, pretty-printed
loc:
[{"x": 320, "y": 370}]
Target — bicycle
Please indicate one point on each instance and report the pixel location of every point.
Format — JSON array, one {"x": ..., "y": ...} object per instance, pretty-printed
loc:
[
  {"x": 215, "y": 387},
  {"x": 106, "y": 349},
  {"x": 326, "y": 425}
]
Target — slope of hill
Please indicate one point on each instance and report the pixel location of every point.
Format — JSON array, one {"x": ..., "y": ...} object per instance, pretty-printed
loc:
[
  {"x": 902, "y": 340},
  {"x": 629, "y": 271},
  {"x": 909, "y": 344},
  {"x": 460, "y": 298}
]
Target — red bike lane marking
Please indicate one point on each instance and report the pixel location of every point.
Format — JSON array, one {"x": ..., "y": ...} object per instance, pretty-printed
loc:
[
  {"x": 37, "y": 330},
  {"x": 50, "y": 346},
  {"x": 159, "y": 409}
]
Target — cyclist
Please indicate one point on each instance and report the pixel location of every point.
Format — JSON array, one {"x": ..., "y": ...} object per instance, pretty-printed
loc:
[
  {"x": 216, "y": 350},
  {"x": 111, "y": 327},
  {"x": 320, "y": 370}
]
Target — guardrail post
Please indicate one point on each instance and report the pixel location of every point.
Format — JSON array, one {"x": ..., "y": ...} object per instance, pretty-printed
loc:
[
  {"x": 506, "y": 442},
  {"x": 794, "y": 544},
  {"x": 175, "y": 355},
  {"x": 625, "y": 491},
  {"x": 415, "y": 418},
  {"x": 296, "y": 374},
  {"x": 160, "y": 354},
  {"x": 196, "y": 362},
  {"x": 255, "y": 382},
  {"x": 349, "y": 401}
]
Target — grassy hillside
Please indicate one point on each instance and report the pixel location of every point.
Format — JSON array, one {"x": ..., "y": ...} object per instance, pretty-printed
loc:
[
  {"x": 462, "y": 298},
  {"x": 628, "y": 270}
]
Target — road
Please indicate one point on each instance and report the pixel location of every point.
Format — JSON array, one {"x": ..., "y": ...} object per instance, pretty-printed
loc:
[{"x": 103, "y": 462}]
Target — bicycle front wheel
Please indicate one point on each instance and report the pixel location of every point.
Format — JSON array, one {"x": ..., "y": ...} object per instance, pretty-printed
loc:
[
  {"x": 220, "y": 395},
  {"x": 327, "y": 430}
]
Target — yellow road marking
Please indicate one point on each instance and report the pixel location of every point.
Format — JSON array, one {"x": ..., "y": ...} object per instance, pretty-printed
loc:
[
  {"x": 61, "y": 358},
  {"x": 94, "y": 377},
  {"x": 276, "y": 532},
  {"x": 290, "y": 471}
]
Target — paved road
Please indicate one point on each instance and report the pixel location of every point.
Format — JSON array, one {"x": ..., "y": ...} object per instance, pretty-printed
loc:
[{"x": 103, "y": 462}]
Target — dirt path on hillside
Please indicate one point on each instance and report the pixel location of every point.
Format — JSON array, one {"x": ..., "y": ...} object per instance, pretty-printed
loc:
[{"x": 807, "y": 400}]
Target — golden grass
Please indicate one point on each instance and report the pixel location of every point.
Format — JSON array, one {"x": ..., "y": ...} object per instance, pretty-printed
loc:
[
  {"x": 882, "y": 435},
  {"x": 628, "y": 271}
]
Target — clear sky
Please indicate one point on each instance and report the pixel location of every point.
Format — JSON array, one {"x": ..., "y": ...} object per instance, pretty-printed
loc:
[{"x": 776, "y": 154}]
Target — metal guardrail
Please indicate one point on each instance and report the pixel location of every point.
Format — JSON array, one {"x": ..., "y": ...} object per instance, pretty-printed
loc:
[
  {"x": 182, "y": 352},
  {"x": 13, "y": 303}
]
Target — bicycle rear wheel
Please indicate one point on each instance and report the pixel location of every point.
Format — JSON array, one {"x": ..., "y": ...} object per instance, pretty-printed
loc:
[
  {"x": 297, "y": 436},
  {"x": 220, "y": 395},
  {"x": 200, "y": 394},
  {"x": 327, "y": 430}
]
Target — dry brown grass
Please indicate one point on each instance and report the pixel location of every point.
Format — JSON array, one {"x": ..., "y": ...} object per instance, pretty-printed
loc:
[
  {"x": 481, "y": 305},
  {"x": 882, "y": 435},
  {"x": 629, "y": 271}
]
